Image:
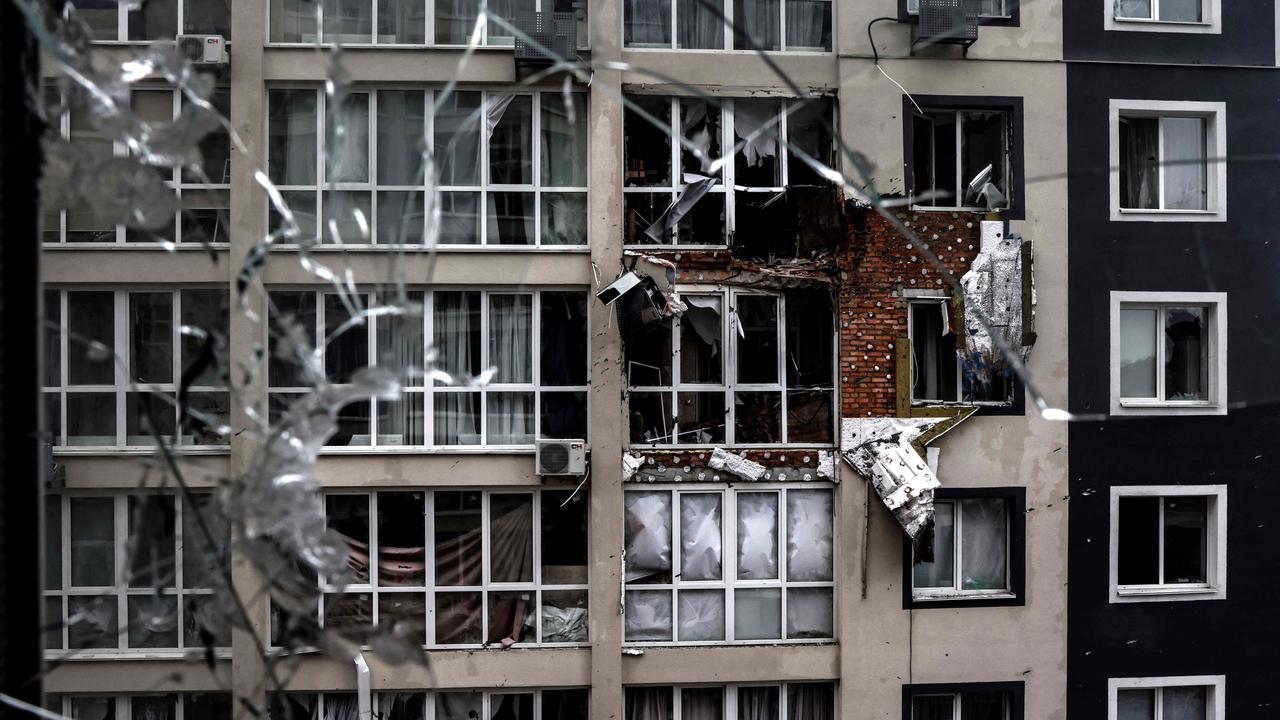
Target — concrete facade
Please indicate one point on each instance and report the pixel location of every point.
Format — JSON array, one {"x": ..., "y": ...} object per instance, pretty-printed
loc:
[{"x": 880, "y": 646}]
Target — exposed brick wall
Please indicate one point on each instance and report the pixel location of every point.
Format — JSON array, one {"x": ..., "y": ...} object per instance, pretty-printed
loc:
[{"x": 879, "y": 265}]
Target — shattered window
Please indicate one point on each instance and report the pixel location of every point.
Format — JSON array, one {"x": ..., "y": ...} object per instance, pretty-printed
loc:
[
  {"x": 155, "y": 19},
  {"x": 96, "y": 399},
  {"x": 398, "y": 22},
  {"x": 1168, "y": 541},
  {"x": 529, "y": 347},
  {"x": 1164, "y": 162},
  {"x": 1168, "y": 355},
  {"x": 501, "y": 567},
  {"x": 758, "y": 374},
  {"x": 935, "y": 366},
  {"x": 756, "y": 24},
  {"x": 131, "y": 571},
  {"x": 968, "y": 705},
  {"x": 202, "y": 192},
  {"x": 510, "y": 167},
  {"x": 961, "y": 159},
  {"x": 968, "y": 551},
  {"x": 722, "y": 566},
  {"x": 679, "y": 188},
  {"x": 792, "y": 701},
  {"x": 548, "y": 704}
]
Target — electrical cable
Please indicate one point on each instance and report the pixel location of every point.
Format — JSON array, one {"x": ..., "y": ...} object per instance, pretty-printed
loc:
[{"x": 875, "y": 54}]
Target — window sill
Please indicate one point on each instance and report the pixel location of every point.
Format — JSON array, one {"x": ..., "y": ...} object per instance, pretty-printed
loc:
[
  {"x": 1129, "y": 407},
  {"x": 99, "y": 654},
  {"x": 810, "y": 52},
  {"x": 337, "y": 450},
  {"x": 958, "y": 209},
  {"x": 1123, "y": 24},
  {"x": 658, "y": 644},
  {"x": 98, "y": 450},
  {"x": 1119, "y": 214},
  {"x": 1163, "y": 593},
  {"x": 118, "y": 246}
]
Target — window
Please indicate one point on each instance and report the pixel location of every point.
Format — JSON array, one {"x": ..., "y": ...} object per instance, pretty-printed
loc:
[
  {"x": 401, "y": 22},
  {"x": 1168, "y": 161},
  {"x": 962, "y": 158},
  {"x": 203, "y": 192},
  {"x": 531, "y": 345},
  {"x": 1166, "y": 16},
  {"x": 937, "y": 373},
  {"x": 794, "y": 701},
  {"x": 733, "y": 25},
  {"x": 1168, "y": 698},
  {"x": 507, "y": 566},
  {"x": 663, "y": 162},
  {"x": 986, "y": 8},
  {"x": 546, "y": 704},
  {"x": 970, "y": 701},
  {"x": 973, "y": 550},
  {"x": 511, "y": 167},
  {"x": 1168, "y": 542},
  {"x": 114, "y": 363},
  {"x": 171, "y": 706},
  {"x": 130, "y": 571},
  {"x": 1168, "y": 353},
  {"x": 154, "y": 20},
  {"x": 737, "y": 367},
  {"x": 775, "y": 584}
]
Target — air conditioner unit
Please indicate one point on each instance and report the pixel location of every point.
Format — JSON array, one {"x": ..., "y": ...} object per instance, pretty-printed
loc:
[
  {"x": 555, "y": 32},
  {"x": 952, "y": 22},
  {"x": 204, "y": 49},
  {"x": 561, "y": 457}
]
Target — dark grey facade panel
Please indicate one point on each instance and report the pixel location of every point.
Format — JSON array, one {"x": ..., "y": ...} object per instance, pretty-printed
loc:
[{"x": 1247, "y": 37}]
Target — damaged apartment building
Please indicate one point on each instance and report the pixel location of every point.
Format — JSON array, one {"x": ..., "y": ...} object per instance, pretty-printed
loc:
[{"x": 729, "y": 441}]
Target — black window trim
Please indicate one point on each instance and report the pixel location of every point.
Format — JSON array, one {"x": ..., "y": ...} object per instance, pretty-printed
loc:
[
  {"x": 1017, "y": 497},
  {"x": 1010, "y": 104},
  {"x": 1016, "y": 689}
]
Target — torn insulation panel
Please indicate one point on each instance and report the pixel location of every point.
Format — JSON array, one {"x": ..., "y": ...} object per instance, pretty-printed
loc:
[
  {"x": 880, "y": 450},
  {"x": 994, "y": 290},
  {"x": 722, "y": 459},
  {"x": 631, "y": 462}
]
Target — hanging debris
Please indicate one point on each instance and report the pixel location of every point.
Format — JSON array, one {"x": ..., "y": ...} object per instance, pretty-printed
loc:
[
  {"x": 880, "y": 449},
  {"x": 997, "y": 288}
]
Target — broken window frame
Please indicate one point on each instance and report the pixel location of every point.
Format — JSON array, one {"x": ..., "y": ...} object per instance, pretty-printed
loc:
[
  {"x": 1215, "y": 153},
  {"x": 944, "y": 303},
  {"x": 121, "y": 361},
  {"x": 176, "y": 178},
  {"x": 1011, "y": 201},
  {"x": 431, "y": 590},
  {"x": 725, "y": 186},
  {"x": 731, "y": 701},
  {"x": 957, "y": 589},
  {"x": 122, "y": 13},
  {"x": 729, "y": 40},
  {"x": 729, "y": 386},
  {"x": 416, "y": 385},
  {"x": 119, "y": 593},
  {"x": 1215, "y": 545},
  {"x": 729, "y": 582},
  {"x": 1214, "y": 686},
  {"x": 122, "y": 704},
  {"x": 492, "y": 34},
  {"x": 1215, "y": 354},
  {"x": 371, "y": 188}
]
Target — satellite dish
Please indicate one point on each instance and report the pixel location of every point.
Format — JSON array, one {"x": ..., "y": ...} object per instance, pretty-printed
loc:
[{"x": 977, "y": 185}]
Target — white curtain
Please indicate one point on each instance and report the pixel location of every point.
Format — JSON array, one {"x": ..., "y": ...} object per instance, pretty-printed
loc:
[
  {"x": 757, "y": 536},
  {"x": 810, "y": 701},
  {"x": 648, "y": 22},
  {"x": 1185, "y": 182},
  {"x": 1140, "y": 163},
  {"x": 510, "y": 415},
  {"x": 758, "y": 20},
  {"x": 758, "y": 703},
  {"x": 457, "y": 139},
  {"x": 648, "y": 534},
  {"x": 347, "y": 151},
  {"x": 809, "y": 535},
  {"x": 400, "y": 128},
  {"x": 700, "y": 538},
  {"x": 298, "y": 161},
  {"x": 809, "y": 24},
  {"x": 701, "y": 615},
  {"x": 647, "y": 615},
  {"x": 699, "y": 26},
  {"x": 983, "y": 543},
  {"x": 457, "y": 325}
]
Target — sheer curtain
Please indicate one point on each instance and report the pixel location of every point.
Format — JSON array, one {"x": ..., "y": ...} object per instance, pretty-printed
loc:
[
  {"x": 510, "y": 418},
  {"x": 457, "y": 332},
  {"x": 810, "y": 701},
  {"x": 983, "y": 541},
  {"x": 648, "y": 703},
  {"x": 756, "y": 24},
  {"x": 1139, "y": 163},
  {"x": 809, "y": 24},
  {"x": 758, "y": 703},
  {"x": 648, "y": 22},
  {"x": 699, "y": 26},
  {"x": 1185, "y": 185},
  {"x": 702, "y": 703}
]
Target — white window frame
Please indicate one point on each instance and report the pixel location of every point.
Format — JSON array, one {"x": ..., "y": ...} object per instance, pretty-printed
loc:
[
  {"x": 121, "y": 361},
  {"x": 731, "y": 695},
  {"x": 727, "y": 34},
  {"x": 913, "y": 8},
  {"x": 726, "y": 186},
  {"x": 729, "y": 581},
  {"x": 61, "y": 125},
  {"x": 956, "y": 703},
  {"x": 430, "y": 590},
  {"x": 1215, "y": 539},
  {"x": 382, "y": 701},
  {"x": 429, "y": 11},
  {"x": 1215, "y": 334},
  {"x": 962, "y": 182},
  {"x": 424, "y": 386},
  {"x": 1210, "y": 22},
  {"x": 120, "y": 593},
  {"x": 956, "y": 592},
  {"x": 122, "y": 24},
  {"x": 1215, "y": 129},
  {"x": 537, "y": 189},
  {"x": 729, "y": 385},
  {"x": 1216, "y": 684},
  {"x": 123, "y": 703}
]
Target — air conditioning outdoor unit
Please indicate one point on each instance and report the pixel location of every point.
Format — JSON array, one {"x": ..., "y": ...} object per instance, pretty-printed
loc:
[
  {"x": 561, "y": 457},
  {"x": 557, "y": 32},
  {"x": 204, "y": 49},
  {"x": 953, "y": 22}
]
